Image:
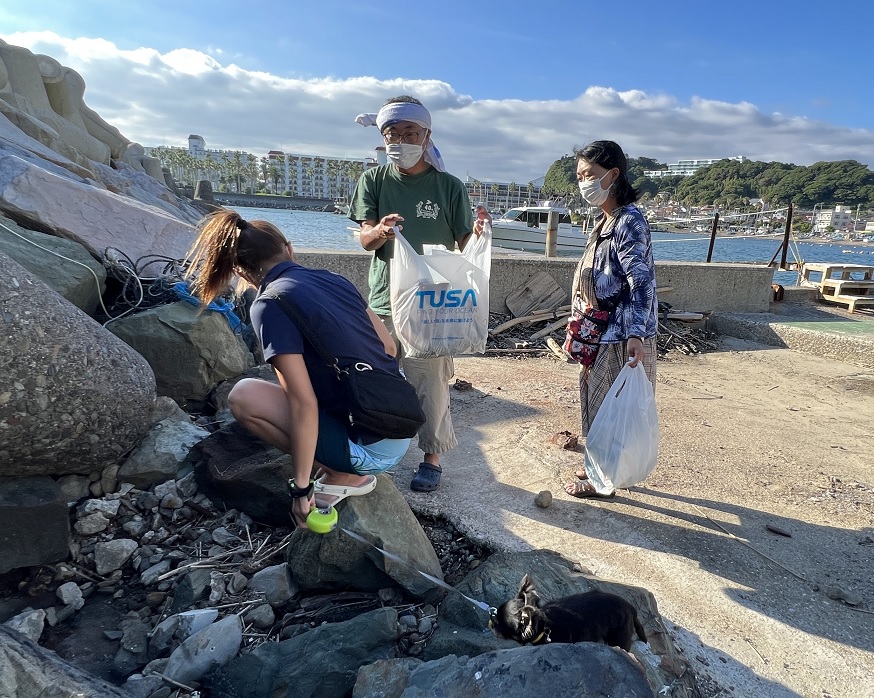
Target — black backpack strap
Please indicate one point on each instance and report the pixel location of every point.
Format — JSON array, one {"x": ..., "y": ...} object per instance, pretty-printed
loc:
[{"x": 299, "y": 319}]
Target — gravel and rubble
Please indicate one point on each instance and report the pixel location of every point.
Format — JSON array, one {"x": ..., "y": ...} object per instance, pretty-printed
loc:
[{"x": 157, "y": 555}]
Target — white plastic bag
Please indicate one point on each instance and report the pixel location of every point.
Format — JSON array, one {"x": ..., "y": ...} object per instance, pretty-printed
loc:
[
  {"x": 623, "y": 442},
  {"x": 440, "y": 299}
]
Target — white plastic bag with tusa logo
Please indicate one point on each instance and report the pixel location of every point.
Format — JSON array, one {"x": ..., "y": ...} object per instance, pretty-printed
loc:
[
  {"x": 440, "y": 299},
  {"x": 622, "y": 445}
]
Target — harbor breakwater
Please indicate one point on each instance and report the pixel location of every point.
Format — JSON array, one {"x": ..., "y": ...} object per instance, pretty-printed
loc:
[{"x": 694, "y": 286}]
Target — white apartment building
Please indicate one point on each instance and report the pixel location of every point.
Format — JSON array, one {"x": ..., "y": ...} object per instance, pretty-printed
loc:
[
  {"x": 302, "y": 175},
  {"x": 838, "y": 218},
  {"x": 686, "y": 168},
  {"x": 317, "y": 176},
  {"x": 503, "y": 195}
]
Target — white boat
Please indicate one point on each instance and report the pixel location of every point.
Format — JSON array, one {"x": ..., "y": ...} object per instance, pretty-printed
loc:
[{"x": 524, "y": 228}]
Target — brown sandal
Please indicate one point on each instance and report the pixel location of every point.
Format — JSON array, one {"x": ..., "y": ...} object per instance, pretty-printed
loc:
[{"x": 584, "y": 489}]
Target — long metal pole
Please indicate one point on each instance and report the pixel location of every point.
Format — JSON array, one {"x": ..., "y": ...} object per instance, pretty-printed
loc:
[
  {"x": 713, "y": 235},
  {"x": 786, "y": 238}
]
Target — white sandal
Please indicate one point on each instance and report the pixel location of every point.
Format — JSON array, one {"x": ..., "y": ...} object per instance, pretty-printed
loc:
[{"x": 341, "y": 491}]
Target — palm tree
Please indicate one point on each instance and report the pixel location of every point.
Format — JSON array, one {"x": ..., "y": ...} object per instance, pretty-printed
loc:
[
  {"x": 252, "y": 171},
  {"x": 530, "y": 192},
  {"x": 476, "y": 185},
  {"x": 274, "y": 175},
  {"x": 333, "y": 168},
  {"x": 209, "y": 163},
  {"x": 263, "y": 168},
  {"x": 236, "y": 167},
  {"x": 494, "y": 189},
  {"x": 511, "y": 189},
  {"x": 356, "y": 169},
  {"x": 310, "y": 177}
]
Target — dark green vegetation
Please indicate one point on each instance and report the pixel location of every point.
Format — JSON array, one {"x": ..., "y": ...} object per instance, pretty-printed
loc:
[{"x": 732, "y": 184}]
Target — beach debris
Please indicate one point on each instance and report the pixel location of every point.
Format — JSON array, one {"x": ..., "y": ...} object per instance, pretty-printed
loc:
[
  {"x": 543, "y": 499},
  {"x": 539, "y": 316},
  {"x": 773, "y": 528},
  {"x": 543, "y": 332},
  {"x": 565, "y": 439},
  {"x": 676, "y": 335},
  {"x": 836, "y": 593},
  {"x": 557, "y": 350},
  {"x": 540, "y": 292},
  {"x": 462, "y": 385},
  {"x": 551, "y": 327}
]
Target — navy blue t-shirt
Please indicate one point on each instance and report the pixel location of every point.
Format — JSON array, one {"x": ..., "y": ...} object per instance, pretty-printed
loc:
[{"x": 334, "y": 308}]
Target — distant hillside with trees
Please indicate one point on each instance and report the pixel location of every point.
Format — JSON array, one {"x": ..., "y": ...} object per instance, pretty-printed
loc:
[{"x": 732, "y": 184}]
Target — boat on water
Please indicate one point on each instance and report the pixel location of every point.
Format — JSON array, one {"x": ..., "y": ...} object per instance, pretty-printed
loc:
[{"x": 524, "y": 228}]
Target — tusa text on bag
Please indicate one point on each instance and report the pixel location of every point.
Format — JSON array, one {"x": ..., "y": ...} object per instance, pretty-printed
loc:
[{"x": 454, "y": 298}]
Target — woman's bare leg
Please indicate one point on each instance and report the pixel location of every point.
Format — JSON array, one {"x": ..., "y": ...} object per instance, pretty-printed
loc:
[{"x": 262, "y": 408}]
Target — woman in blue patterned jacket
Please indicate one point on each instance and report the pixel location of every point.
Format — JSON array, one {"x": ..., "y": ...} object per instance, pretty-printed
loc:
[{"x": 617, "y": 275}]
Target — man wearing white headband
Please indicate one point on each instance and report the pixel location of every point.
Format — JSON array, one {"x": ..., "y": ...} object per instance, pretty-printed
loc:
[{"x": 415, "y": 193}]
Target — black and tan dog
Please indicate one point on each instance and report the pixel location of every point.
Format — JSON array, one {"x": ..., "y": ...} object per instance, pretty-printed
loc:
[{"x": 595, "y": 616}]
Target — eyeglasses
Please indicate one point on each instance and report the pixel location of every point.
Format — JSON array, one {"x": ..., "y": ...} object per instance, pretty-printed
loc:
[{"x": 408, "y": 137}]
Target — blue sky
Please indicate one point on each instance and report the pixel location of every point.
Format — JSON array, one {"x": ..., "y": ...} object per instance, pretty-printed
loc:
[{"x": 511, "y": 85}]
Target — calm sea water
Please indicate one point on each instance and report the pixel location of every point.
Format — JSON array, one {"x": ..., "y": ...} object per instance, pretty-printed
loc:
[{"x": 330, "y": 231}]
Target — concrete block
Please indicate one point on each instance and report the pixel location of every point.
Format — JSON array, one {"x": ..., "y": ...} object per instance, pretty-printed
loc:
[{"x": 34, "y": 523}]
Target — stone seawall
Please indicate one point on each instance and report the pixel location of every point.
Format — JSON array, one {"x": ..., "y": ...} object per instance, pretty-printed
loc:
[
  {"x": 695, "y": 286},
  {"x": 273, "y": 201}
]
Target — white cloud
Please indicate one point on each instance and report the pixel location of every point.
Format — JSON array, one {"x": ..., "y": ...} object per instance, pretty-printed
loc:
[{"x": 156, "y": 98}]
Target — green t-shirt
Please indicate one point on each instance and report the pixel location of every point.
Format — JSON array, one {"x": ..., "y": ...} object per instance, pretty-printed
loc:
[{"x": 435, "y": 208}]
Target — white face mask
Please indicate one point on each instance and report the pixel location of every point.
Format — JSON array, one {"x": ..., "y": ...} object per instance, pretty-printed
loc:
[
  {"x": 591, "y": 191},
  {"x": 404, "y": 155}
]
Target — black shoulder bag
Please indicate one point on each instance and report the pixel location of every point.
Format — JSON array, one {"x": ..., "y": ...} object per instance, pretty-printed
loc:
[{"x": 380, "y": 402}]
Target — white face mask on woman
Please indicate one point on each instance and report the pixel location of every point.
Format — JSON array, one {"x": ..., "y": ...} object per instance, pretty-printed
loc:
[
  {"x": 591, "y": 191},
  {"x": 404, "y": 155}
]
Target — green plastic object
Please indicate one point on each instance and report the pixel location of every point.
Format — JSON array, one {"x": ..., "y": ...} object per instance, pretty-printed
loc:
[{"x": 322, "y": 520}]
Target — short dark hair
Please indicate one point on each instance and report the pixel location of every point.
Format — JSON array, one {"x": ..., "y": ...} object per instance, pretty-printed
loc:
[
  {"x": 402, "y": 98},
  {"x": 608, "y": 155}
]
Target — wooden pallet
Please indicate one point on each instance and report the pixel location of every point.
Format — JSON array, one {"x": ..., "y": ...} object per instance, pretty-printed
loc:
[
  {"x": 846, "y": 287},
  {"x": 850, "y": 301}
]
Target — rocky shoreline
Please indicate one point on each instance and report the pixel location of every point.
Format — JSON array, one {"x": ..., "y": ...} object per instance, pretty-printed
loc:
[{"x": 145, "y": 550}]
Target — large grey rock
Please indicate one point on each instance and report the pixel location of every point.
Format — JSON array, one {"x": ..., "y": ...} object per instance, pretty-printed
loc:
[
  {"x": 73, "y": 397},
  {"x": 320, "y": 662},
  {"x": 584, "y": 670},
  {"x": 27, "y": 83},
  {"x": 34, "y": 523},
  {"x": 238, "y": 471},
  {"x": 30, "y": 623},
  {"x": 212, "y": 647},
  {"x": 26, "y": 669},
  {"x": 178, "y": 627},
  {"x": 190, "y": 351},
  {"x": 80, "y": 281},
  {"x": 275, "y": 583},
  {"x": 158, "y": 456},
  {"x": 191, "y": 588},
  {"x": 497, "y": 580},
  {"x": 31, "y": 139},
  {"x": 112, "y": 554},
  {"x": 385, "y": 520},
  {"x": 132, "y": 652},
  {"x": 125, "y": 179},
  {"x": 91, "y": 216}
]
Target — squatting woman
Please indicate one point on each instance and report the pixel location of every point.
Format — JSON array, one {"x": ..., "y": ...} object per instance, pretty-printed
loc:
[{"x": 306, "y": 414}]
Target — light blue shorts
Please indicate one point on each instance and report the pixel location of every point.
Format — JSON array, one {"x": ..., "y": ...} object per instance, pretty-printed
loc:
[{"x": 378, "y": 456}]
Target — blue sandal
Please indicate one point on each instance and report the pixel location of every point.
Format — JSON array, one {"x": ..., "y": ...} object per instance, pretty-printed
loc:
[{"x": 427, "y": 479}]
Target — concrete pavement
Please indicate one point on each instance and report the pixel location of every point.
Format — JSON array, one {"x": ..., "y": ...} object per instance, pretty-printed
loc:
[{"x": 728, "y": 419}]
